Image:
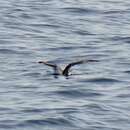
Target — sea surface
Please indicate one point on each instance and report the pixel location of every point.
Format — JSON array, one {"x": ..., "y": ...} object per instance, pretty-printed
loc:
[{"x": 96, "y": 96}]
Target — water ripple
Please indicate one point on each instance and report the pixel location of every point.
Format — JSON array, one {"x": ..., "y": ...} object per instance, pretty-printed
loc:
[
  {"x": 12, "y": 51},
  {"x": 77, "y": 93},
  {"x": 47, "y": 121},
  {"x": 101, "y": 80},
  {"x": 120, "y": 38},
  {"x": 80, "y": 11}
]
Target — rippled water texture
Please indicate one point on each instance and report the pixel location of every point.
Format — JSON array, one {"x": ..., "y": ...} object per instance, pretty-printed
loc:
[{"x": 96, "y": 96}]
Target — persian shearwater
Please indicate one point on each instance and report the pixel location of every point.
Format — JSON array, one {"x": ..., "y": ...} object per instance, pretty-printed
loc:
[{"x": 65, "y": 71}]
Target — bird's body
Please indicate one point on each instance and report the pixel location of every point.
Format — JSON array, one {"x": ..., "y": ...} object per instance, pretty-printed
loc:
[{"x": 65, "y": 71}]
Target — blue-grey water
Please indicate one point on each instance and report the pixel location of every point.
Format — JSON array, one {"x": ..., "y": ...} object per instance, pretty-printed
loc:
[{"x": 96, "y": 96}]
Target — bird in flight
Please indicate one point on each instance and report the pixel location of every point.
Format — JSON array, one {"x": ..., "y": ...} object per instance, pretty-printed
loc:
[{"x": 66, "y": 70}]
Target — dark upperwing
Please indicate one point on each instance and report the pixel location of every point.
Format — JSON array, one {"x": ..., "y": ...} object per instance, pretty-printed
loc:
[
  {"x": 49, "y": 64},
  {"x": 67, "y": 68},
  {"x": 54, "y": 66}
]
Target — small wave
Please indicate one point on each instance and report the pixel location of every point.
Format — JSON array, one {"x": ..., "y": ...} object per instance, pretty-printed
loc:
[
  {"x": 8, "y": 124},
  {"x": 123, "y": 96},
  {"x": 32, "y": 74},
  {"x": 82, "y": 32},
  {"x": 5, "y": 109},
  {"x": 26, "y": 16},
  {"x": 115, "y": 12},
  {"x": 127, "y": 71},
  {"x": 77, "y": 93},
  {"x": 47, "y": 121},
  {"x": 97, "y": 107},
  {"x": 46, "y": 110},
  {"x": 120, "y": 38},
  {"x": 101, "y": 80},
  {"x": 45, "y": 25},
  {"x": 11, "y": 51},
  {"x": 8, "y": 51},
  {"x": 66, "y": 48},
  {"x": 80, "y": 10},
  {"x": 33, "y": 110}
]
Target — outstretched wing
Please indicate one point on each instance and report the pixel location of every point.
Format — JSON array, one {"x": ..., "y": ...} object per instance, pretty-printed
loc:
[
  {"x": 49, "y": 64},
  {"x": 67, "y": 68},
  {"x": 54, "y": 66}
]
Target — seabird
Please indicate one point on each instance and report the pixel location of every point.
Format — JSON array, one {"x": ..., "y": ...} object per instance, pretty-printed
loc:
[{"x": 65, "y": 71}]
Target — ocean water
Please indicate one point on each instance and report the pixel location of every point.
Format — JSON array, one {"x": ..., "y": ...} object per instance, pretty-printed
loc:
[{"x": 96, "y": 96}]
